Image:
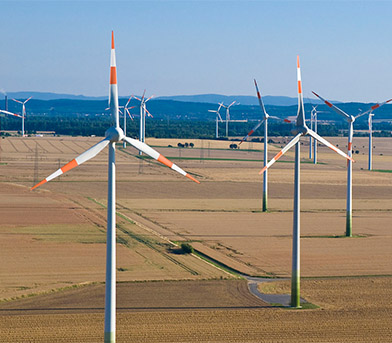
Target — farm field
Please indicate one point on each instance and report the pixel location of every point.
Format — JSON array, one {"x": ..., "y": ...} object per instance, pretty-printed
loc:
[
  {"x": 353, "y": 310},
  {"x": 52, "y": 240}
]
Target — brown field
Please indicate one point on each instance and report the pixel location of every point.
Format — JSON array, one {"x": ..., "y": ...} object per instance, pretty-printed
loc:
[
  {"x": 53, "y": 239},
  {"x": 353, "y": 310}
]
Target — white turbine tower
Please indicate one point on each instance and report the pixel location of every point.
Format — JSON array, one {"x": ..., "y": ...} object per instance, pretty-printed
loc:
[
  {"x": 227, "y": 119},
  {"x": 265, "y": 121},
  {"x": 23, "y": 113},
  {"x": 300, "y": 130},
  {"x": 370, "y": 124},
  {"x": 126, "y": 112},
  {"x": 112, "y": 136},
  {"x": 217, "y": 120},
  {"x": 350, "y": 119},
  {"x": 143, "y": 112}
]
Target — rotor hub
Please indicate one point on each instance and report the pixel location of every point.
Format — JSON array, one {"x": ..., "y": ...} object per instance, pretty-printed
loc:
[{"x": 115, "y": 134}]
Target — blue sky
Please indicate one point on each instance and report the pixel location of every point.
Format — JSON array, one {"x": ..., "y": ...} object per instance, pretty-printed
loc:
[{"x": 195, "y": 47}]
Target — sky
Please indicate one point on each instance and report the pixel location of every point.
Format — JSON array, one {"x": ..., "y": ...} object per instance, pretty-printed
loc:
[{"x": 198, "y": 47}]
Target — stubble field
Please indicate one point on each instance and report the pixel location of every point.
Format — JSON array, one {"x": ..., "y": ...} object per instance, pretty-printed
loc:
[{"x": 53, "y": 238}]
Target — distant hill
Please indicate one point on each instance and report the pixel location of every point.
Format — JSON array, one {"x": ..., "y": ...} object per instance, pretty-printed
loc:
[
  {"x": 242, "y": 99},
  {"x": 49, "y": 96},
  {"x": 201, "y": 98}
]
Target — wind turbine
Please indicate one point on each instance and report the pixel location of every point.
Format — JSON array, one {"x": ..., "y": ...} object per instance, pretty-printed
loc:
[
  {"x": 265, "y": 121},
  {"x": 350, "y": 119},
  {"x": 23, "y": 112},
  {"x": 112, "y": 136},
  {"x": 300, "y": 130},
  {"x": 143, "y": 111},
  {"x": 217, "y": 120},
  {"x": 126, "y": 111},
  {"x": 227, "y": 119},
  {"x": 313, "y": 126}
]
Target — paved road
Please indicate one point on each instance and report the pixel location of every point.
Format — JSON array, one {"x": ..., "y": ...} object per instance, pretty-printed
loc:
[{"x": 283, "y": 299}]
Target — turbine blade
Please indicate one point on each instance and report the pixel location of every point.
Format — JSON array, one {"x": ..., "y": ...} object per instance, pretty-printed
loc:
[
  {"x": 27, "y": 100},
  {"x": 149, "y": 114},
  {"x": 113, "y": 89},
  {"x": 260, "y": 99},
  {"x": 128, "y": 101},
  {"x": 329, "y": 145},
  {"x": 129, "y": 114},
  {"x": 157, "y": 156},
  {"x": 301, "y": 110},
  {"x": 88, "y": 154},
  {"x": 336, "y": 109},
  {"x": 17, "y": 101},
  {"x": 373, "y": 108},
  {"x": 10, "y": 113},
  {"x": 275, "y": 117},
  {"x": 143, "y": 95},
  {"x": 150, "y": 98},
  {"x": 281, "y": 152},
  {"x": 251, "y": 131}
]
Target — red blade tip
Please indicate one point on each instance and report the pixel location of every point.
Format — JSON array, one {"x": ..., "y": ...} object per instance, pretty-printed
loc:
[
  {"x": 112, "y": 40},
  {"x": 297, "y": 61}
]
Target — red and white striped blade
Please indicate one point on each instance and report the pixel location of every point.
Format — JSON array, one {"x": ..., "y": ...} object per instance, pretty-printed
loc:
[
  {"x": 113, "y": 89},
  {"x": 144, "y": 93},
  {"x": 149, "y": 114},
  {"x": 260, "y": 99},
  {"x": 128, "y": 101},
  {"x": 251, "y": 131},
  {"x": 281, "y": 152},
  {"x": 150, "y": 98},
  {"x": 129, "y": 114},
  {"x": 143, "y": 147},
  {"x": 87, "y": 155},
  {"x": 336, "y": 109},
  {"x": 329, "y": 145},
  {"x": 10, "y": 113},
  {"x": 373, "y": 108},
  {"x": 27, "y": 100},
  {"x": 17, "y": 101}
]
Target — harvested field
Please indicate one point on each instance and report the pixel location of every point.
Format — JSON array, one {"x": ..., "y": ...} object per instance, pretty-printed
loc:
[
  {"x": 336, "y": 321},
  {"x": 53, "y": 239},
  {"x": 49, "y": 242}
]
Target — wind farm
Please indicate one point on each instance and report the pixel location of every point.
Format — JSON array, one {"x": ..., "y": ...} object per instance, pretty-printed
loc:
[{"x": 103, "y": 239}]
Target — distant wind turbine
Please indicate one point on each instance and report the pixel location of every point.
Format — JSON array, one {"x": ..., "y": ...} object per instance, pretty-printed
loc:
[
  {"x": 217, "y": 120},
  {"x": 23, "y": 113},
  {"x": 265, "y": 121},
  {"x": 227, "y": 119},
  {"x": 300, "y": 130},
  {"x": 313, "y": 126},
  {"x": 143, "y": 112},
  {"x": 350, "y": 120},
  {"x": 112, "y": 136},
  {"x": 126, "y": 112}
]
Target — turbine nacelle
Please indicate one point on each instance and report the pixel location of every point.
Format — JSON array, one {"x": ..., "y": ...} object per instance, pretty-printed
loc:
[
  {"x": 114, "y": 134},
  {"x": 300, "y": 129}
]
